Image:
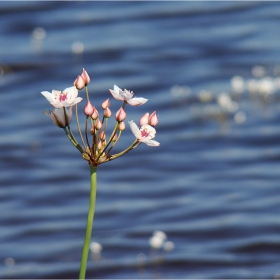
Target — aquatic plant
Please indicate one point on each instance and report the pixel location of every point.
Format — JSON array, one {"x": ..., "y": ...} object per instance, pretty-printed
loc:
[{"x": 98, "y": 149}]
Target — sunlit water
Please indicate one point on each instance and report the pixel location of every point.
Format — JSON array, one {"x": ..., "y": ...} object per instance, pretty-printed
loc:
[{"x": 210, "y": 70}]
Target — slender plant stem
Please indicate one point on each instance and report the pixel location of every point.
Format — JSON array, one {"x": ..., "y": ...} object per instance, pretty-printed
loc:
[
  {"x": 86, "y": 88},
  {"x": 78, "y": 126},
  {"x": 114, "y": 143},
  {"x": 112, "y": 135},
  {"x": 84, "y": 258},
  {"x": 73, "y": 142},
  {"x": 132, "y": 146},
  {"x": 86, "y": 131}
]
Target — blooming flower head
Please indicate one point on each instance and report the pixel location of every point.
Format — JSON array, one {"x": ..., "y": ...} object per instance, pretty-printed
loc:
[
  {"x": 58, "y": 116},
  {"x": 127, "y": 96},
  {"x": 145, "y": 134},
  {"x": 65, "y": 98}
]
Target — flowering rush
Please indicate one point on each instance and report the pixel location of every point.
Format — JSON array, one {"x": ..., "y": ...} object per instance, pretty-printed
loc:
[{"x": 96, "y": 144}]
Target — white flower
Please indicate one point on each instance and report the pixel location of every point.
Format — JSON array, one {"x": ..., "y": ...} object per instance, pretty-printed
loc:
[
  {"x": 58, "y": 117},
  {"x": 60, "y": 99},
  {"x": 145, "y": 134},
  {"x": 126, "y": 95}
]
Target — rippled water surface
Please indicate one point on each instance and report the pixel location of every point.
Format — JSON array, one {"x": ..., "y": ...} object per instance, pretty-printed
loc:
[{"x": 211, "y": 71}]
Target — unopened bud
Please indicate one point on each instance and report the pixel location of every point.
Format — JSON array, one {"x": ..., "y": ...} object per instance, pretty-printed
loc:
[
  {"x": 153, "y": 120},
  {"x": 92, "y": 130},
  {"x": 107, "y": 113},
  {"x": 121, "y": 115},
  {"x": 102, "y": 136},
  {"x": 94, "y": 115},
  {"x": 144, "y": 119},
  {"x": 79, "y": 83},
  {"x": 115, "y": 137},
  {"x": 98, "y": 124},
  {"x": 89, "y": 109},
  {"x": 105, "y": 104},
  {"x": 121, "y": 126},
  {"x": 99, "y": 146},
  {"x": 85, "y": 77}
]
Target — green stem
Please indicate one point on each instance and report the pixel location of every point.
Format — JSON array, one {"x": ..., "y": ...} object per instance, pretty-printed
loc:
[
  {"x": 86, "y": 88},
  {"x": 114, "y": 143},
  {"x": 78, "y": 126},
  {"x": 83, "y": 266},
  {"x": 112, "y": 135},
  {"x": 132, "y": 146},
  {"x": 72, "y": 141}
]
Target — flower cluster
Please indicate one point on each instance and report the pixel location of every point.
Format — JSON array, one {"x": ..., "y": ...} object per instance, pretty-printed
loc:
[{"x": 98, "y": 150}]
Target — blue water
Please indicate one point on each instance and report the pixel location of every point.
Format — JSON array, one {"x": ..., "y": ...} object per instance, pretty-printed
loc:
[{"x": 211, "y": 70}]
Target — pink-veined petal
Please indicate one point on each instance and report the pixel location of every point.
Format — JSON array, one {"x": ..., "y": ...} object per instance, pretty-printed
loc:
[
  {"x": 59, "y": 113},
  {"x": 69, "y": 113},
  {"x": 137, "y": 101},
  {"x": 135, "y": 130},
  {"x": 58, "y": 117},
  {"x": 55, "y": 116}
]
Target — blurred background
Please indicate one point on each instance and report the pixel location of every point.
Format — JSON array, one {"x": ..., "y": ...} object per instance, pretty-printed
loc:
[{"x": 205, "y": 204}]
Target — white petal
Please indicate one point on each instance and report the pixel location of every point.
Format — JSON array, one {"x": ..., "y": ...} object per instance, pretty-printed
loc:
[
  {"x": 149, "y": 129},
  {"x": 49, "y": 96},
  {"x": 117, "y": 89},
  {"x": 137, "y": 101},
  {"x": 69, "y": 104},
  {"x": 57, "y": 104},
  {"x": 135, "y": 130},
  {"x": 116, "y": 94},
  {"x": 59, "y": 113},
  {"x": 51, "y": 115},
  {"x": 127, "y": 95},
  {"x": 72, "y": 93},
  {"x": 77, "y": 100},
  {"x": 149, "y": 142},
  {"x": 69, "y": 114}
]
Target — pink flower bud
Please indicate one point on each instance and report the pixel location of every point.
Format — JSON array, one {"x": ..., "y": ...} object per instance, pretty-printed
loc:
[
  {"x": 79, "y": 83},
  {"x": 99, "y": 146},
  {"x": 107, "y": 113},
  {"x": 89, "y": 109},
  {"x": 98, "y": 124},
  {"x": 121, "y": 115},
  {"x": 144, "y": 119},
  {"x": 85, "y": 77},
  {"x": 106, "y": 104},
  {"x": 102, "y": 136},
  {"x": 92, "y": 130},
  {"x": 153, "y": 120},
  {"x": 115, "y": 137},
  {"x": 121, "y": 126},
  {"x": 94, "y": 115}
]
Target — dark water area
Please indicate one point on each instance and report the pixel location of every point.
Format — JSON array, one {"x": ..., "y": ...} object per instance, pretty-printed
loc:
[{"x": 211, "y": 70}]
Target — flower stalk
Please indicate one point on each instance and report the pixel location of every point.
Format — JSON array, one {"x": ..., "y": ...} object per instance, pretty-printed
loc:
[{"x": 90, "y": 218}]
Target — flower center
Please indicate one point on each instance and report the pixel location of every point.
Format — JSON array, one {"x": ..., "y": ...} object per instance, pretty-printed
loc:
[
  {"x": 145, "y": 133},
  {"x": 62, "y": 97}
]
